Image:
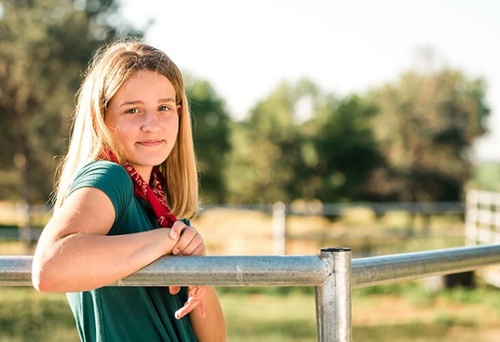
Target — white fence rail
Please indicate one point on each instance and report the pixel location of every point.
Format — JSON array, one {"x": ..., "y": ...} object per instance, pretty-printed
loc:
[
  {"x": 482, "y": 219},
  {"x": 332, "y": 273},
  {"x": 482, "y": 226}
]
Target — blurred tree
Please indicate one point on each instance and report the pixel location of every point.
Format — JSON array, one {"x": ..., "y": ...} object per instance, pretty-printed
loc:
[
  {"x": 425, "y": 127},
  {"x": 343, "y": 151},
  {"x": 266, "y": 147},
  {"x": 44, "y": 47},
  {"x": 211, "y": 134}
]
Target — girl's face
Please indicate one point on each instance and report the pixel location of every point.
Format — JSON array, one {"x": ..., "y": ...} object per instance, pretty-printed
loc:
[{"x": 143, "y": 118}]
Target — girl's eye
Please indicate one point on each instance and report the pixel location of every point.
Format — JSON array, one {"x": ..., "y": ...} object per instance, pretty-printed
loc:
[
  {"x": 163, "y": 108},
  {"x": 132, "y": 111}
]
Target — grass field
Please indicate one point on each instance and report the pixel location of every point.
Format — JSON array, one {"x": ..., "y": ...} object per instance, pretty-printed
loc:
[
  {"x": 403, "y": 312},
  {"x": 396, "y": 312}
]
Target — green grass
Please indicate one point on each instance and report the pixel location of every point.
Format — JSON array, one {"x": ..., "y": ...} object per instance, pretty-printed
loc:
[
  {"x": 269, "y": 314},
  {"x": 395, "y": 312},
  {"x": 26, "y": 315}
]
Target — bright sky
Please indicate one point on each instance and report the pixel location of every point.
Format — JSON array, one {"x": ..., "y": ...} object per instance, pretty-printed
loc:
[{"x": 246, "y": 48}]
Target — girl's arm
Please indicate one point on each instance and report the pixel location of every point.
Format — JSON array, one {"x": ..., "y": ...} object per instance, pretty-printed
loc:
[
  {"x": 75, "y": 254},
  {"x": 210, "y": 326}
]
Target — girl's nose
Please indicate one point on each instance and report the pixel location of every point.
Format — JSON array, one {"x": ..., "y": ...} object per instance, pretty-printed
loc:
[{"x": 150, "y": 122}]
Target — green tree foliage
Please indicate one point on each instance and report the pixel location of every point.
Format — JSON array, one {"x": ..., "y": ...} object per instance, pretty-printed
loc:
[
  {"x": 425, "y": 128},
  {"x": 345, "y": 149},
  {"x": 266, "y": 154},
  {"x": 44, "y": 47},
  {"x": 407, "y": 141},
  {"x": 211, "y": 133}
]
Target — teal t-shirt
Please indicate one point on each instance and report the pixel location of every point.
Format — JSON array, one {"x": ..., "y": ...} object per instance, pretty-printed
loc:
[{"x": 115, "y": 313}]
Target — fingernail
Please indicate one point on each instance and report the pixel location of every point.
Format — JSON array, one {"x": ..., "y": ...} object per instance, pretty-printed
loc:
[
  {"x": 177, "y": 315},
  {"x": 175, "y": 251}
]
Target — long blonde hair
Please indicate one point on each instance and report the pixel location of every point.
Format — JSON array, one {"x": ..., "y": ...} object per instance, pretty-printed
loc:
[{"x": 110, "y": 68}]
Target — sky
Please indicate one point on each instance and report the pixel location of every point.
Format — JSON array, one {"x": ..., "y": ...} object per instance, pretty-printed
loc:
[{"x": 245, "y": 49}]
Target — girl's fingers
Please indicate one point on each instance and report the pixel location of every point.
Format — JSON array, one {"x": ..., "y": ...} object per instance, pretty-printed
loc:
[
  {"x": 190, "y": 243},
  {"x": 177, "y": 229},
  {"x": 195, "y": 248},
  {"x": 189, "y": 306},
  {"x": 201, "y": 308},
  {"x": 174, "y": 289},
  {"x": 196, "y": 299}
]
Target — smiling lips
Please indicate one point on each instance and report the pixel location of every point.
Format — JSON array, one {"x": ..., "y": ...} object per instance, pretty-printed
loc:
[{"x": 150, "y": 143}]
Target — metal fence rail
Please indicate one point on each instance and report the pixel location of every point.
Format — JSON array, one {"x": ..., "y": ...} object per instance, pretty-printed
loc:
[{"x": 332, "y": 273}]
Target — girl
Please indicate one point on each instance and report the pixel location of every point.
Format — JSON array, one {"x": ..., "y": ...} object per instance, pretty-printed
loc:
[{"x": 131, "y": 152}]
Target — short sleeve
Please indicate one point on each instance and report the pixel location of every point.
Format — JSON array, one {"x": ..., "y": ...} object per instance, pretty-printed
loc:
[{"x": 110, "y": 178}]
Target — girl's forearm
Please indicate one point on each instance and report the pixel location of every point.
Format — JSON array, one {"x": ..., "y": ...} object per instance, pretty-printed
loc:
[
  {"x": 80, "y": 261},
  {"x": 212, "y": 327}
]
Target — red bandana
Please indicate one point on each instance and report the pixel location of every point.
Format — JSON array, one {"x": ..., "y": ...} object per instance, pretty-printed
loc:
[{"x": 152, "y": 193}]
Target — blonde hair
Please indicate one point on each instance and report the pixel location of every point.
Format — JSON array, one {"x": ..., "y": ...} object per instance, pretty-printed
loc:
[{"x": 110, "y": 68}]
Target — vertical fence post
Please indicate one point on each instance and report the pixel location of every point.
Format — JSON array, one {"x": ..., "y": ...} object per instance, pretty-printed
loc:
[
  {"x": 279, "y": 228},
  {"x": 24, "y": 221},
  {"x": 333, "y": 298}
]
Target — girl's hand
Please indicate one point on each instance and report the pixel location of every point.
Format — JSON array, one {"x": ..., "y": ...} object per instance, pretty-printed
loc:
[
  {"x": 190, "y": 241},
  {"x": 196, "y": 298}
]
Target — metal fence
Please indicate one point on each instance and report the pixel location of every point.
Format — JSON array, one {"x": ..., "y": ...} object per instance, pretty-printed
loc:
[{"x": 332, "y": 273}]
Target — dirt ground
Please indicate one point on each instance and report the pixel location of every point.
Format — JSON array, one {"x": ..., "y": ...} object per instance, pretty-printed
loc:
[{"x": 245, "y": 232}]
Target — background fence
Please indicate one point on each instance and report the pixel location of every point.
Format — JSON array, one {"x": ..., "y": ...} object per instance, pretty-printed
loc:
[{"x": 482, "y": 226}]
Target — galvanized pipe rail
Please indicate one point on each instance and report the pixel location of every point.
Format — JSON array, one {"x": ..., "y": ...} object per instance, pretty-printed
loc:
[
  {"x": 410, "y": 266},
  {"x": 332, "y": 273}
]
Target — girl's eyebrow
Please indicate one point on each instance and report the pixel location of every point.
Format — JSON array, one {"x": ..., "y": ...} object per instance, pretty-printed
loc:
[
  {"x": 130, "y": 103},
  {"x": 168, "y": 99},
  {"x": 136, "y": 102}
]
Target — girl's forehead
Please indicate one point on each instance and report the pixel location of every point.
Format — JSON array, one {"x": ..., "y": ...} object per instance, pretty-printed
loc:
[{"x": 146, "y": 83}]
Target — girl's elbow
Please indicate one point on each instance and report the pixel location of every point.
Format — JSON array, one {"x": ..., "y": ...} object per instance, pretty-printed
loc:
[
  {"x": 40, "y": 279},
  {"x": 38, "y": 284},
  {"x": 37, "y": 281},
  {"x": 41, "y": 284}
]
